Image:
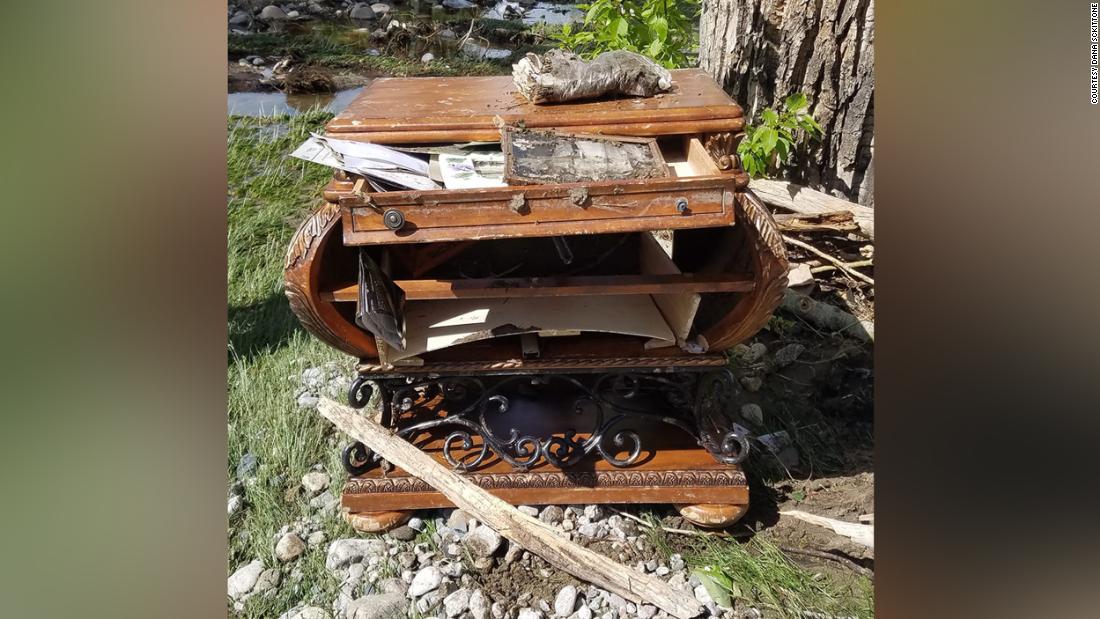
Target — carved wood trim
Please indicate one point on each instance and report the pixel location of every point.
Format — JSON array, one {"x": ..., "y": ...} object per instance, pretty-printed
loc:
[
  {"x": 723, "y": 148},
  {"x": 564, "y": 479},
  {"x": 770, "y": 263}
]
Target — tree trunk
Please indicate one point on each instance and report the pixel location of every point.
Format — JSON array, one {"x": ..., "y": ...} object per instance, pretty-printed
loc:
[{"x": 763, "y": 50}]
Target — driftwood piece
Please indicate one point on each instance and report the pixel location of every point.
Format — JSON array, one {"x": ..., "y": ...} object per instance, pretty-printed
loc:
[
  {"x": 840, "y": 221},
  {"x": 517, "y": 527},
  {"x": 803, "y": 200},
  {"x": 827, "y": 316},
  {"x": 862, "y": 534},
  {"x": 559, "y": 76}
]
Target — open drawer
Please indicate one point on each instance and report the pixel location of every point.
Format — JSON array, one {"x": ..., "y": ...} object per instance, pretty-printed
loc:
[{"x": 695, "y": 195}]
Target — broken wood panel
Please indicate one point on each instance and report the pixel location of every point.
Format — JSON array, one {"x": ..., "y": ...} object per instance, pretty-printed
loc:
[
  {"x": 529, "y": 533},
  {"x": 592, "y": 285},
  {"x": 678, "y": 306}
]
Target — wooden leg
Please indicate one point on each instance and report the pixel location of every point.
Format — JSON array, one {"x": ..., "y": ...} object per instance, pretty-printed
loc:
[
  {"x": 377, "y": 522},
  {"x": 711, "y": 515}
]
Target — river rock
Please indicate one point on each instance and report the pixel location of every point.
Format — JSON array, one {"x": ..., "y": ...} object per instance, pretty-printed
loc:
[
  {"x": 478, "y": 605},
  {"x": 343, "y": 552},
  {"x": 293, "y": 14},
  {"x": 529, "y": 510},
  {"x": 529, "y": 613},
  {"x": 289, "y": 547},
  {"x": 315, "y": 482},
  {"x": 268, "y": 581},
  {"x": 362, "y": 11},
  {"x": 380, "y": 9},
  {"x": 752, "y": 413},
  {"x": 425, "y": 580},
  {"x": 459, "y": 520},
  {"x": 379, "y": 606},
  {"x": 235, "y": 504},
  {"x": 243, "y": 581},
  {"x": 240, "y": 18},
  {"x": 456, "y": 603},
  {"x": 482, "y": 542},
  {"x": 272, "y": 13},
  {"x": 552, "y": 514},
  {"x": 246, "y": 467},
  {"x": 566, "y": 601},
  {"x": 428, "y": 57},
  {"x": 752, "y": 384},
  {"x": 583, "y": 612},
  {"x": 308, "y": 612}
]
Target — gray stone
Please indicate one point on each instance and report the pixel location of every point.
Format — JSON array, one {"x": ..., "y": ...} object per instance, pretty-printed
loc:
[
  {"x": 752, "y": 384},
  {"x": 308, "y": 612},
  {"x": 459, "y": 520},
  {"x": 513, "y": 553},
  {"x": 482, "y": 542},
  {"x": 427, "y": 58},
  {"x": 247, "y": 466},
  {"x": 244, "y": 579},
  {"x": 235, "y": 504},
  {"x": 373, "y": 52},
  {"x": 289, "y": 547},
  {"x": 702, "y": 595},
  {"x": 447, "y": 33},
  {"x": 590, "y": 530},
  {"x": 750, "y": 354},
  {"x": 343, "y": 552},
  {"x": 651, "y": 565},
  {"x": 753, "y": 413},
  {"x": 430, "y": 600},
  {"x": 272, "y": 13},
  {"x": 529, "y": 613},
  {"x": 566, "y": 601},
  {"x": 292, "y": 14},
  {"x": 362, "y": 11},
  {"x": 479, "y": 605},
  {"x": 583, "y": 612},
  {"x": 456, "y": 603},
  {"x": 307, "y": 400},
  {"x": 593, "y": 512},
  {"x": 786, "y": 356},
  {"x": 497, "y": 610},
  {"x": 662, "y": 571},
  {"x": 552, "y": 514},
  {"x": 267, "y": 581},
  {"x": 676, "y": 562},
  {"x": 393, "y": 585},
  {"x": 416, "y": 523},
  {"x": 316, "y": 538},
  {"x": 240, "y": 18},
  {"x": 380, "y": 9},
  {"x": 530, "y": 511},
  {"x": 403, "y": 533},
  {"x": 378, "y": 606},
  {"x": 315, "y": 482},
  {"x": 646, "y": 611},
  {"x": 425, "y": 580}
]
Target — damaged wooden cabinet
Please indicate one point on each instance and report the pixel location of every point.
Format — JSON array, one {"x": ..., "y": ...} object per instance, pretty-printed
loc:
[{"x": 562, "y": 340}]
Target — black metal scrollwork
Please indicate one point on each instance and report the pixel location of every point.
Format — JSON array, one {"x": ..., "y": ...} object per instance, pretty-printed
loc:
[{"x": 696, "y": 403}]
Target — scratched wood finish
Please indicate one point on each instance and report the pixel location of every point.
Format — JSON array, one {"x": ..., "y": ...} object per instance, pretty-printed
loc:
[
  {"x": 547, "y": 210},
  {"x": 504, "y": 287},
  {"x": 442, "y": 109}
]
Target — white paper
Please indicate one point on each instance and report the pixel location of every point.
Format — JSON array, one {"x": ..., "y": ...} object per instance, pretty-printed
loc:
[
  {"x": 473, "y": 170},
  {"x": 370, "y": 160}
]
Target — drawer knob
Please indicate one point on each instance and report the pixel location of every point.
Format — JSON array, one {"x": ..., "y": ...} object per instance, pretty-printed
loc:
[
  {"x": 393, "y": 219},
  {"x": 681, "y": 205}
]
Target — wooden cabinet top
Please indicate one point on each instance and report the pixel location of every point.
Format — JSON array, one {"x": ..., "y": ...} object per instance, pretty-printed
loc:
[{"x": 453, "y": 109}]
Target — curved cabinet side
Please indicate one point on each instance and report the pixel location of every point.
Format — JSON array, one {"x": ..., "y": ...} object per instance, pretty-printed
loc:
[
  {"x": 301, "y": 277},
  {"x": 769, "y": 259}
]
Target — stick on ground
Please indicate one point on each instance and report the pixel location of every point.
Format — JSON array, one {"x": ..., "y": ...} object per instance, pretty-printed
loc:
[{"x": 520, "y": 528}]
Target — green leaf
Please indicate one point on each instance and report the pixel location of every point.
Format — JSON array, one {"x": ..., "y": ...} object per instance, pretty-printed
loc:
[
  {"x": 796, "y": 102},
  {"x": 768, "y": 138},
  {"x": 717, "y": 585},
  {"x": 659, "y": 28},
  {"x": 783, "y": 148},
  {"x": 622, "y": 28},
  {"x": 769, "y": 116}
]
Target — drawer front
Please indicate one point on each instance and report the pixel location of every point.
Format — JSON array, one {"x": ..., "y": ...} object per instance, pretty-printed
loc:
[{"x": 546, "y": 210}]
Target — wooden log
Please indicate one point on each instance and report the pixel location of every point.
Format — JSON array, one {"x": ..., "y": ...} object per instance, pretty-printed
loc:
[
  {"x": 517, "y": 527},
  {"x": 827, "y": 316},
  {"x": 788, "y": 196},
  {"x": 840, "y": 221}
]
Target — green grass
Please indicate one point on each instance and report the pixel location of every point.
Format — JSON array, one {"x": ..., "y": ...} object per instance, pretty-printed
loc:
[
  {"x": 268, "y": 195},
  {"x": 757, "y": 573}
]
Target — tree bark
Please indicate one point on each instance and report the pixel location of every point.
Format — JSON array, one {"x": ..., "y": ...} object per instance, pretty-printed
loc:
[{"x": 761, "y": 51}]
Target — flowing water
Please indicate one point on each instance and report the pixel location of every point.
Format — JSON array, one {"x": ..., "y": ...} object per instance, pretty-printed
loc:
[{"x": 269, "y": 103}]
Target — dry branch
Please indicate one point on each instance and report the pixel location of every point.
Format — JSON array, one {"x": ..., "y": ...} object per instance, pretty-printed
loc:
[
  {"x": 520, "y": 528},
  {"x": 805, "y": 201},
  {"x": 843, "y": 266}
]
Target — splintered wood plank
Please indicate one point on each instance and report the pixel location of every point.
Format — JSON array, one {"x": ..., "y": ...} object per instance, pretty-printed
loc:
[
  {"x": 593, "y": 285},
  {"x": 517, "y": 527}
]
